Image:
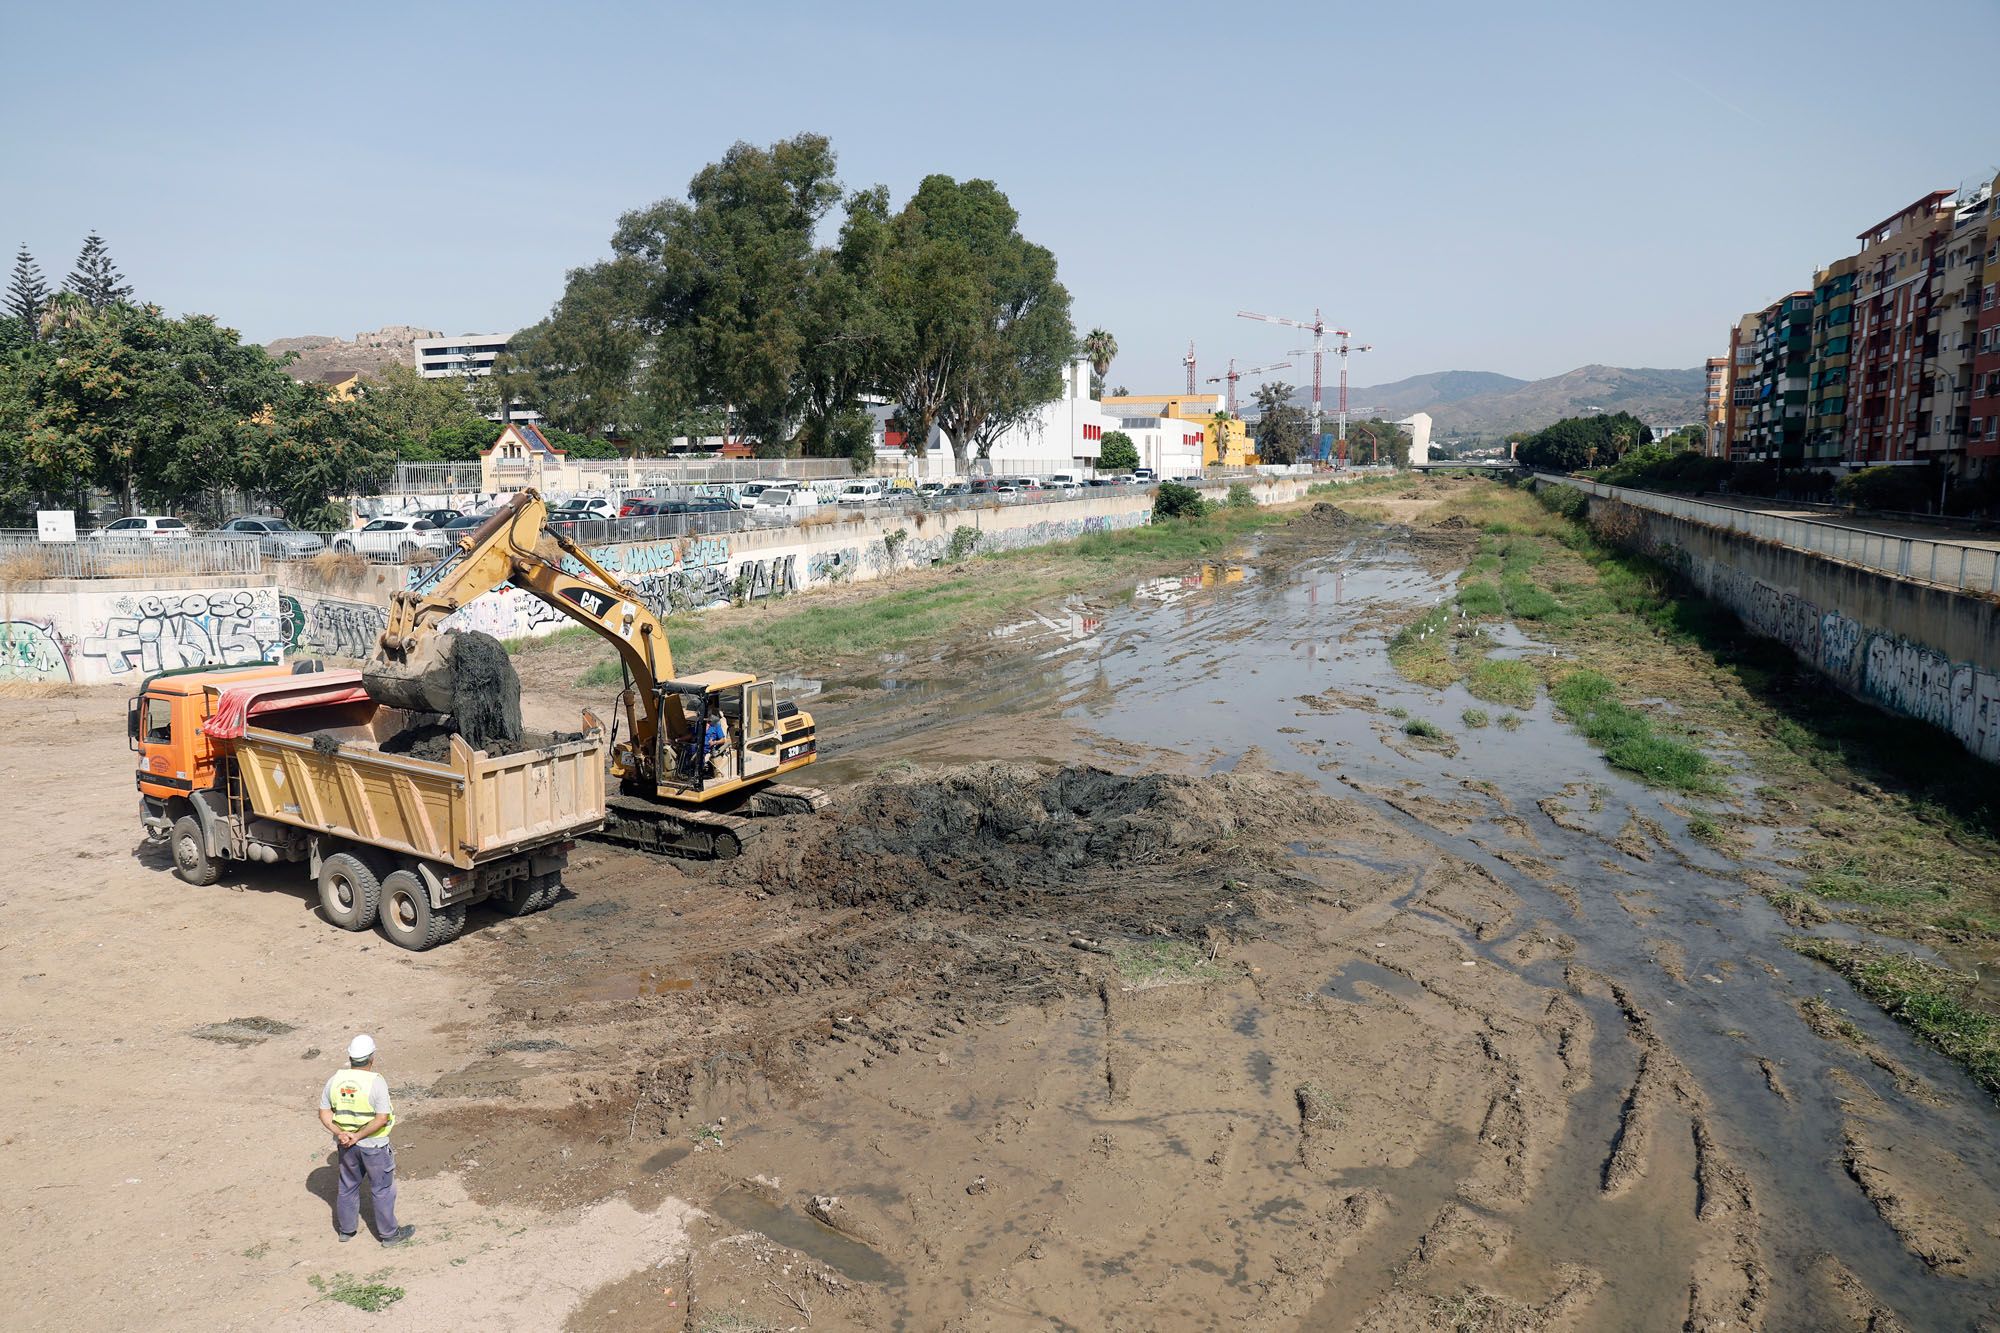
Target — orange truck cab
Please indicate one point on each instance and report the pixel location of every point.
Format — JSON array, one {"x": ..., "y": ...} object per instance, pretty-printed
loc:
[{"x": 275, "y": 764}]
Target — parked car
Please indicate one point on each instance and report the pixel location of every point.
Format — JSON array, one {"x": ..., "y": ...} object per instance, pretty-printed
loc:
[
  {"x": 1065, "y": 481},
  {"x": 982, "y": 486},
  {"x": 461, "y": 525},
  {"x": 861, "y": 493},
  {"x": 1018, "y": 485},
  {"x": 145, "y": 527},
  {"x": 1101, "y": 481},
  {"x": 582, "y": 511},
  {"x": 787, "y": 497},
  {"x": 275, "y": 537},
  {"x": 1144, "y": 475},
  {"x": 437, "y": 518},
  {"x": 403, "y": 538}
]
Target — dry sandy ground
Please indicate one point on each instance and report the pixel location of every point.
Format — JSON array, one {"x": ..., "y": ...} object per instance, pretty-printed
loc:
[{"x": 891, "y": 1069}]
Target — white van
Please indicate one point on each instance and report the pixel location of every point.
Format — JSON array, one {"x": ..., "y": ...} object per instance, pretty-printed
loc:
[
  {"x": 1144, "y": 475},
  {"x": 1065, "y": 481},
  {"x": 861, "y": 493},
  {"x": 786, "y": 497}
]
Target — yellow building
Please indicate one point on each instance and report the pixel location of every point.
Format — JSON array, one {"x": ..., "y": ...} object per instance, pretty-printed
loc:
[{"x": 1225, "y": 442}]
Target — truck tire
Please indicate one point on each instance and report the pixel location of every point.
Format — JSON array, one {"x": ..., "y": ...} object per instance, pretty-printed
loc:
[
  {"x": 408, "y": 919},
  {"x": 192, "y": 863},
  {"x": 551, "y": 890},
  {"x": 526, "y": 898},
  {"x": 349, "y": 893}
]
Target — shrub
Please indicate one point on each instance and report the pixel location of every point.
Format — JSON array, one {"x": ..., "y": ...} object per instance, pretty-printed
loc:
[
  {"x": 1896, "y": 488},
  {"x": 1567, "y": 501},
  {"x": 963, "y": 540},
  {"x": 1240, "y": 497},
  {"x": 1173, "y": 500}
]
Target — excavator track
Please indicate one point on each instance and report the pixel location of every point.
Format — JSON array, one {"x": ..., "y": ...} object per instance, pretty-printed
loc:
[
  {"x": 634, "y": 821},
  {"x": 666, "y": 830}
]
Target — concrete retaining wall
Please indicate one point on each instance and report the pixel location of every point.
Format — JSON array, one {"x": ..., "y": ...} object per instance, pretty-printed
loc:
[
  {"x": 1923, "y": 651},
  {"x": 102, "y": 631}
]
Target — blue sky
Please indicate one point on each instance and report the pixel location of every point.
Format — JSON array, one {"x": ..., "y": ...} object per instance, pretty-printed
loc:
[{"x": 1519, "y": 188}]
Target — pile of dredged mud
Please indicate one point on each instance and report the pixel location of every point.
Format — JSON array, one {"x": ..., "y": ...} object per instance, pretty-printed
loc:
[
  {"x": 1134, "y": 852},
  {"x": 431, "y": 740}
]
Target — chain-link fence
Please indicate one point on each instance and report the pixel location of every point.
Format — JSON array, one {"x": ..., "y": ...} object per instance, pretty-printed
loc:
[{"x": 25, "y": 557}]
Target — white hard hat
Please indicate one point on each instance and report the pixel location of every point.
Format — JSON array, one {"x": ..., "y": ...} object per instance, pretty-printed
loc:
[{"x": 361, "y": 1048}]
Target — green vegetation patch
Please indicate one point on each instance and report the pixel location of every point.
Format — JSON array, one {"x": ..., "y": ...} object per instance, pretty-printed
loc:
[
  {"x": 1421, "y": 650},
  {"x": 1626, "y": 735},
  {"x": 1931, "y": 1000},
  {"x": 1480, "y": 598},
  {"x": 372, "y": 1295},
  {"x": 1504, "y": 680},
  {"x": 1416, "y": 726},
  {"x": 1165, "y": 963},
  {"x": 1474, "y": 717}
]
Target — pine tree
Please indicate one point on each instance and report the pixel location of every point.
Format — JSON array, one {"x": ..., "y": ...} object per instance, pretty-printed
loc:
[
  {"x": 27, "y": 293},
  {"x": 96, "y": 279}
]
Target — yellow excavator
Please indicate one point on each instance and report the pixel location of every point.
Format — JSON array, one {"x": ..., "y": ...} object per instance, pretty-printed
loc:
[{"x": 686, "y": 786}]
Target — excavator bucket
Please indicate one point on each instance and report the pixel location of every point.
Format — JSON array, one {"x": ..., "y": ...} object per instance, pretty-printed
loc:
[{"x": 423, "y": 680}]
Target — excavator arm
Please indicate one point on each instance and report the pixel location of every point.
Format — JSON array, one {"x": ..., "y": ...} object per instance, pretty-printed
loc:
[{"x": 411, "y": 666}]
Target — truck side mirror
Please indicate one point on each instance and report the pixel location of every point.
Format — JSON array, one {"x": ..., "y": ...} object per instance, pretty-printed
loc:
[{"x": 132, "y": 723}]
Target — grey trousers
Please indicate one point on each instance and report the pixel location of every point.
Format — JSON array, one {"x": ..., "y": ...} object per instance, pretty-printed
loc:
[{"x": 379, "y": 1165}]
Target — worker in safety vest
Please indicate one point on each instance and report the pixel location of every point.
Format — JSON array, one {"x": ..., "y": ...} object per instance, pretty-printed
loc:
[{"x": 354, "y": 1106}]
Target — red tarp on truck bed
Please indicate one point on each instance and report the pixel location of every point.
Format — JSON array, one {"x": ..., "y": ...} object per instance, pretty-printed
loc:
[{"x": 235, "y": 705}]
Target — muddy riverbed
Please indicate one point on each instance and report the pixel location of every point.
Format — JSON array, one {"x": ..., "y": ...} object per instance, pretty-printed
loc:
[
  {"x": 1220, "y": 1000},
  {"x": 1146, "y": 973}
]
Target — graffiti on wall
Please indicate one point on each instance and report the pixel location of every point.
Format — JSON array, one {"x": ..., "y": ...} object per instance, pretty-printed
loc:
[
  {"x": 1897, "y": 673},
  {"x": 165, "y": 631},
  {"x": 331, "y": 627},
  {"x": 33, "y": 650}
]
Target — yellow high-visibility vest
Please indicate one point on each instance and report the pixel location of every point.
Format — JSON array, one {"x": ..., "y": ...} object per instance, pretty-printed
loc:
[{"x": 351, "y": 1106}]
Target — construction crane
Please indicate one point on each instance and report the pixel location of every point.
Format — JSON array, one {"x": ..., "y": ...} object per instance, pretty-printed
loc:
[
  {"x": 1319, "y": 349},
  {"x": 1188, "y": 361},
  {"x": 1235, "y": 375}
]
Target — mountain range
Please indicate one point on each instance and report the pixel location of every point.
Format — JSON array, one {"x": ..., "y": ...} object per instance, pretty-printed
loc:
[{"x": 1482, "y": 403}]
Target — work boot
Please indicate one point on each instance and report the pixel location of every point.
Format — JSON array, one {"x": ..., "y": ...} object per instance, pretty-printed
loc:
[
  {"x": 401, "y": 1234},
  {"x": 345, "y": 1236}
]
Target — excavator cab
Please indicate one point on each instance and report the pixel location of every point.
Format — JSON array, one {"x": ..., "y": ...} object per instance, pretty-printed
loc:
[{"x": 723, "y": 729}]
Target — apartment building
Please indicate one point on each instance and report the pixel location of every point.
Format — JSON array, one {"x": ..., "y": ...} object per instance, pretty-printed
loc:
[
  {"x": 1827, "y": 363},
  {"x": 1716, "y": 411},
  {"x": 1891, "y": 402},
  {"x": 1769, "y": 356},
  {"x": 1953, "y": 332},
  {"x": 468, "y": 355},
  {"x": 1982, "y": 297}
]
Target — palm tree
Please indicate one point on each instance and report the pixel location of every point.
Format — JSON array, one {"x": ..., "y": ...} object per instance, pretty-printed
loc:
[
  {"x": 65, "y": 310},
  {"x": 1102, "y": 349}
]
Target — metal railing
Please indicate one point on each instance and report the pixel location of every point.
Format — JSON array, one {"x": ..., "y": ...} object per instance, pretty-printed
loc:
[
  {"x": 24, "y": 557},
  {"x": 1947, "y": 564}
]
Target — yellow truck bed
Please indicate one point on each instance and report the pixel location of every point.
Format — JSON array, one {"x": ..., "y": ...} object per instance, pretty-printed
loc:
[{"x": 475, "y": 808}]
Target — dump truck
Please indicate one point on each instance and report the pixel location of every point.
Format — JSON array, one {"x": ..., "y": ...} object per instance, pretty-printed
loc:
[{"x": 273, "y": 764}]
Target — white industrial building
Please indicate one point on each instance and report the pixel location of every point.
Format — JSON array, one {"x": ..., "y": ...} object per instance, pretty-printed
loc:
[
  {"x": 1420, "y": 437},
  {"x": 1065, "y": 435},
  {"x": 1168, "y": 445}
]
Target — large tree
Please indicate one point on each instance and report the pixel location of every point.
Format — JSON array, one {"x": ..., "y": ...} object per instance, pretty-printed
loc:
[
  {"x": 318, "y": 449},
  {"x": 95, "y": 278},
  {"x": 1282, "y": 425},
  {"x": 27, "y": 291},
  {"x": 978, "y": 325}
]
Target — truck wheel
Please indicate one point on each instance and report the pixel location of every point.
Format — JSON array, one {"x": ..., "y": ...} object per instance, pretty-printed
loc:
[
  {"x": 349, "y": 893},
  {"x": 548, "y": 888},
  {"x": 409, "y": 920},
  {"x": 191, "y": 859},
  {"x": 527, "y": 897}
]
